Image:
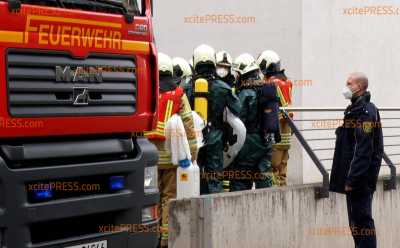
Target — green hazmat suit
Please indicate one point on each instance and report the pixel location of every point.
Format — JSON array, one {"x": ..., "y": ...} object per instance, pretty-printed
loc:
[
  {"x": 210, "y": 158},
  {"x": 253, "y": 163}
]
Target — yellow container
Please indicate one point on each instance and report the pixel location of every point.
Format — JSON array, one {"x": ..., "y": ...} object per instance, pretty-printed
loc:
[{"x": 200, "y": 100}]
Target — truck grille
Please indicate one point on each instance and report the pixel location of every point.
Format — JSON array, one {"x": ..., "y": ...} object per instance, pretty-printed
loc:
[{"x": 42, "y": 83}]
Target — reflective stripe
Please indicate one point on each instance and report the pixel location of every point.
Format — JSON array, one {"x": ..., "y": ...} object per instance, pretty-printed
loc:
[
  {"x": 226, "y": 185},
  {"x": 168, "y": 112},
  {"x": 159, "y": 131},
  {"x": 281, "y": 97},
  {"x": 150, "y": 133},
  {"x": 186, "y": 114},
  {"x": 164, "y": 231},
  {"x": 285, "y": 139},
  {"x": 282, "y": 144},
  {"x": 165, "y": 157}
]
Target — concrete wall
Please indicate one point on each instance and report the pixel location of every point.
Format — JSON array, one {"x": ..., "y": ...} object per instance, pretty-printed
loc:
[
  {"x": 320, "y": 43},
  {"x": 279, "y": 218}
]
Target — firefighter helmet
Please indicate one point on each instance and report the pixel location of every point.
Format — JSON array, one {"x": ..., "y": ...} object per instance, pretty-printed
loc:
[
  {"x": 204, "y": 54},
  {"x": 223, "y": 58},
  {"x": 182, "y": 68},
  {"x": 244, "y": 64},
  {"x": 269, "y": 62},
  {"x": 165, "y": 64}
]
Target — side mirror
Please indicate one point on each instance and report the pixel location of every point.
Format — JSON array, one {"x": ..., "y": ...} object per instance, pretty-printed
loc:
[{"x": 148, "y": 7}]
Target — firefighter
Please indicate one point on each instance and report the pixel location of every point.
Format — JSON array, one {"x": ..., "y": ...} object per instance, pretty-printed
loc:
[
  {"x": 358, "y": 158},
  {"x": 224, "y": 68},
  {"x": 253, "y": 163},
  {"x": 224, "y": 72},
  {"x": 218, "y": 96},
  {"x": 270, "y": 65},
  {"x": 172, "y": 100},
  {"x": 182, "y": 69}
]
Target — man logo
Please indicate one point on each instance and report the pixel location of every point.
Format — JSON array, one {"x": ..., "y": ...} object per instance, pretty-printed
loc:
[
  {"x": 89, "y": 74},
  {"x": 80, "y": 96}
]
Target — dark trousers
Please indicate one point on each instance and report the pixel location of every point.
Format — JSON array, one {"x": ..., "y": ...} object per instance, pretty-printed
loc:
[
  {"x": 211, "y": 161},
  {"x": 359, "y": 208},
  {"x": 252, "y": 164}
]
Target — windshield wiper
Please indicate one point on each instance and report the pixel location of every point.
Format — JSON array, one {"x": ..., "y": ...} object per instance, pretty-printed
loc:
[
  {"x": 60, "y": 3},
  {"x": 15, "y": 5}
]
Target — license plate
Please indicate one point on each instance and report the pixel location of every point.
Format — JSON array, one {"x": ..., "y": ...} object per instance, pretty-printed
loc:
[{"x": 99, "y": 244}]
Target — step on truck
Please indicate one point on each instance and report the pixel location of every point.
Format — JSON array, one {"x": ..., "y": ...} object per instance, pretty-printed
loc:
[{"x": 78, "y": 85}]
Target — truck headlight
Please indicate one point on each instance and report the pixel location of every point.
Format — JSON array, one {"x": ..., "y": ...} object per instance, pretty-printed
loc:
[
  {"x": 150, "y": 180},
  {"x": 149, "y": 213}
]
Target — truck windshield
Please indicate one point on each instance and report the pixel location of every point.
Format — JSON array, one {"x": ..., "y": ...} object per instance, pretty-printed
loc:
[{"x": 105, "y": 6}]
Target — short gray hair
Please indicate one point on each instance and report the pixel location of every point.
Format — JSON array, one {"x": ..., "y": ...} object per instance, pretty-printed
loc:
[{"x": 360, "y": 78}]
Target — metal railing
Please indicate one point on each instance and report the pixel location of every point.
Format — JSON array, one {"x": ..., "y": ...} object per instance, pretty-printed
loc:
[{"x": 323, "y": 191}]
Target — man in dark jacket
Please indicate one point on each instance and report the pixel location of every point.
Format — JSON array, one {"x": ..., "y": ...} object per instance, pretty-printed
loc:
[{"x": 358, "y": 158}]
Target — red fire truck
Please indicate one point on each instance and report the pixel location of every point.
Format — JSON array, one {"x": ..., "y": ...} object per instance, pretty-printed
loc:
[{"x": 78, "y": 85}]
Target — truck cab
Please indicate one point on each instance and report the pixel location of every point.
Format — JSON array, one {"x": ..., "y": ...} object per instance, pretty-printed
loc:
[{"x": 78, "y": 87}]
